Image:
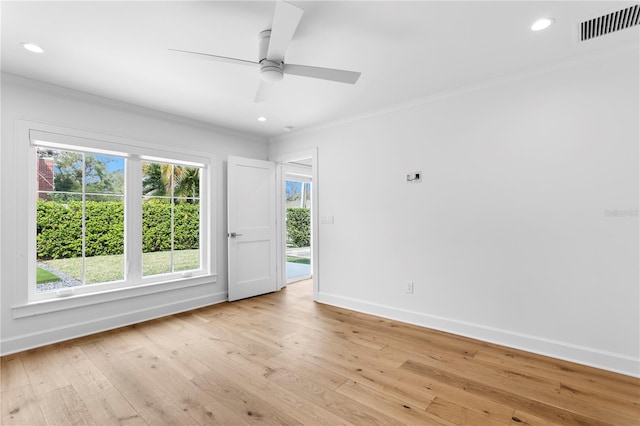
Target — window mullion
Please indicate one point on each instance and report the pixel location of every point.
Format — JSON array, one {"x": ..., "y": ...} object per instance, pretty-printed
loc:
[
  {"x": 133, "y": 220},
  {"x": 173, "y": 206},
  {"x": 83, "y": 222}
]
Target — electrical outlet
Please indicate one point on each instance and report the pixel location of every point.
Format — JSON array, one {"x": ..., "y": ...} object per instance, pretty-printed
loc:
[{"x": 408, "y": 287}]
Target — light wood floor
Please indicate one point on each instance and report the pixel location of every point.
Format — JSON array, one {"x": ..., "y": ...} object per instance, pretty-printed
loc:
[{"x": 282, "y": 359}]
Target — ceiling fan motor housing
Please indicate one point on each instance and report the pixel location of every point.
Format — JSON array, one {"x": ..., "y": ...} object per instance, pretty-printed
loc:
[{"x": 270, "y": 71}]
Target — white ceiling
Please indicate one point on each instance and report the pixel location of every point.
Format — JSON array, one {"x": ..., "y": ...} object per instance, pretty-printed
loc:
[{"x": 405, "y": 51}]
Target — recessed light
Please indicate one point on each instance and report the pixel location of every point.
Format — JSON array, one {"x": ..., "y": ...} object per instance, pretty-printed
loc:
[
  {"x": 262, "y": 119},
  {"x": 31, "y": 47},
  {"x": 541, "y": 24}
]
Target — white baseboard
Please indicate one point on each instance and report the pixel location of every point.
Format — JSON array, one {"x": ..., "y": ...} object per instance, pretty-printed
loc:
[
  {"x": 72, "y": 331},
  {"x": 617, "y": 363}
]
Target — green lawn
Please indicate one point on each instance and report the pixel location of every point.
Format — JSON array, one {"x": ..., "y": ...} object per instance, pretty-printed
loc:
[
  {"x": 160, "y": 261},
  {"x": 43, "y": 276},
  {"x": 294, "y": 259},
  {"x": 102, "y": 269}
]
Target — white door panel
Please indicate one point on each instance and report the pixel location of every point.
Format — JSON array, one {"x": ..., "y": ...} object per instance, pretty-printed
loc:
[{"x": 251, "y": 218}]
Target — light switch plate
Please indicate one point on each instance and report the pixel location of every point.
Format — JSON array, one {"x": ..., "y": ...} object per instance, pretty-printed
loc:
[
  {"x": 408, "y": 287},
  {"x": 327, "y": 220}
]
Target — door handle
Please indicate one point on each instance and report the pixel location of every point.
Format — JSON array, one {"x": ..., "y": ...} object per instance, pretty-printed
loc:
[{"x": 233, "y": 235}]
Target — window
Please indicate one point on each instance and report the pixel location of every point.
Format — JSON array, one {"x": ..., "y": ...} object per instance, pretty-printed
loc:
[
  {"x": 79, "y": 219},
  {"x": 107, "y": 219},
  {"x": 170, "y": 218}
]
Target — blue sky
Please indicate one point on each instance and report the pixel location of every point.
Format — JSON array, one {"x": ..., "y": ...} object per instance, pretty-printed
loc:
[{"x": 112, "y": 163}]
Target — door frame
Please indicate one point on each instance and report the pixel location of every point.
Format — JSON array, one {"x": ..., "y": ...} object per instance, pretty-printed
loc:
[
  {"x": 289, "y": 157},
  {"x": 302, "y": 174}
]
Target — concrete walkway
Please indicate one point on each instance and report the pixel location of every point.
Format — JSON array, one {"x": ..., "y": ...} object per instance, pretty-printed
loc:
[
  {"x": 298, "y": 271},
  {"x": 299, "y": 252}
]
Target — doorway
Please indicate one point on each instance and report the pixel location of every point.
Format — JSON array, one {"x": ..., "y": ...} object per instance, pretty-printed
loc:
[
  {"x": 297, "y": 219},
  {"x": 302, "y": 166}
]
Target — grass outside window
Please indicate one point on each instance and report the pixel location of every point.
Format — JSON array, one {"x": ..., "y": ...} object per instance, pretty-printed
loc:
[
  {"x": 43, "y": 276},
  {"x": 303, "y": 260},
  {"x": 111, "y": 267}
]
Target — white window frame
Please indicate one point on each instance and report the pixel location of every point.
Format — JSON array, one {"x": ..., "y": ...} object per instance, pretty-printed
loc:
[
  {"x": 187, "y": 273},
  {"x": 30, "y": 136}
]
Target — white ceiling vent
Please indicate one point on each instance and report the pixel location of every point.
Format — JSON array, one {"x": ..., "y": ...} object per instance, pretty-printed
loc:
[{"x": 609, "y": 23}]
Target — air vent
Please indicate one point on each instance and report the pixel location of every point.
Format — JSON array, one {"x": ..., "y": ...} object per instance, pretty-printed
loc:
[{"x": 612, "y": 22}]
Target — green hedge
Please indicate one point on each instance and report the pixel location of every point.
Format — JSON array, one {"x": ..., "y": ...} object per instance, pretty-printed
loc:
[
  {"x": 59, "y": 228},
  {"x": 156, "y": 226},
  {"x": 298, "y": 226}
]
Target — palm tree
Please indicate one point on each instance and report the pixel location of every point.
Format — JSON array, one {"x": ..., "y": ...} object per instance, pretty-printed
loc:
[
  {"x": 152, "y": 182},
  {"x": 162, "y": 179},
  {"x": 187, "y": 183}
]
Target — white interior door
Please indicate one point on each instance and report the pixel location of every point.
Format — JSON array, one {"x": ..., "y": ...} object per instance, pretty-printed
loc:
[{"x": 251, "y": 233}]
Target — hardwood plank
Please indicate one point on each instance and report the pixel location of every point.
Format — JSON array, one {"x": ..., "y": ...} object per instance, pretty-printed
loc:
[
  {"x": 338, "y": 328},
  {"x": 361, "y": 368},
  {"x": 238, "y": 369},
  {"x": 235, "y": 365},
  {"x": 65, "y": 407},
  {"x": 388, "y": 332},
  {"x": 603, "y": 383},
  {"x": 521, "y": 418},
  {"x": 461, "y": 415},
  {"x": 283, "y": 359},
  {"x": 252, "y": 408},
  {"x": 320, "y": 375},
  {"x": 42, "y": 370},
  {"x": 109, "y": 407},
  {"x": 415, "y": 393},
  {"x": 224, "y": 332},
  {"x": 540, "y": 388},
  {"x": 151, "y": 403},
  {"x": 392, "y": 406},
  {"x": 346, "y": 408},
  {"x": 193, "y": 317},
  {"x": 165, "y": 343},
  {"x": 12, "y": 373},
  {"x": 179, "y": 395},
  {"x": 20, "y": 407},
  {"x": 547, "y": 411},
  {"x": 81, "y": 372},
  {"x": 122, "y": 340}
]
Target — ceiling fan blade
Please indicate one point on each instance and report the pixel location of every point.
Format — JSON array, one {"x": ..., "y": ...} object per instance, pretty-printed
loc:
[
  {"x": 216, "y": 57},
  {"x": 341, "y": 76},
  {"x": 286, "y": 18},
  {"x": 265, "y": 89}
]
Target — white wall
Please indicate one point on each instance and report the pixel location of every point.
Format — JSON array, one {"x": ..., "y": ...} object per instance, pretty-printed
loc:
[
  {"x": 25, "y": 99},
  {"x": 507, "y": 237}
]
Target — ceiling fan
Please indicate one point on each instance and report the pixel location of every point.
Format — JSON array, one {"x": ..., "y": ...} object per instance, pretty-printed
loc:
[{"x": 273, "y": 45}]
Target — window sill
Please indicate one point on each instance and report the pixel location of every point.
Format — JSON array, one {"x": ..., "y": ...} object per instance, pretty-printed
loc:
[{"x": 83, "y": 300}]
